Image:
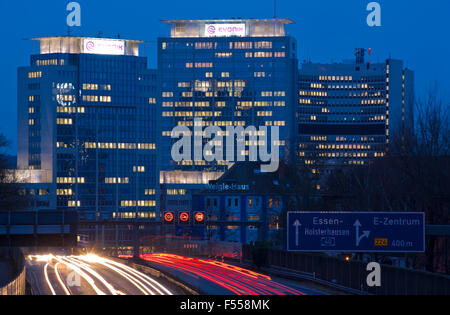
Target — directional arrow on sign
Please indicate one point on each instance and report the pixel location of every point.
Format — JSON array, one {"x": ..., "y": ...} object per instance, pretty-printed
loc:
[
  {"x": 297, "y": 225},
  {"x": 366, "y": 234}
]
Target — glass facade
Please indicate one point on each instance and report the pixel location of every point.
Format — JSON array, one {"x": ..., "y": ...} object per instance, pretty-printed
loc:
[
  {"x": 347, "y": 112},
  {"x": 91, "y": 122},
  {"x": 237, "y": 81}
]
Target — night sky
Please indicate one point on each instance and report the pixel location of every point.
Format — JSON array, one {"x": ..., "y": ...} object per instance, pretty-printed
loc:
[{"x": 326, "y": 31}]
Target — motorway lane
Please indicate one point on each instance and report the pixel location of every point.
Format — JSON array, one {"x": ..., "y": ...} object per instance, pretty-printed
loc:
[
  {"x": 217, "y": 278},
  {"x": 89, "y": 275}
]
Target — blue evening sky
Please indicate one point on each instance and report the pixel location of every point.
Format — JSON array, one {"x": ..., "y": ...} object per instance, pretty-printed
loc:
[{"x": 326, "y": 30}]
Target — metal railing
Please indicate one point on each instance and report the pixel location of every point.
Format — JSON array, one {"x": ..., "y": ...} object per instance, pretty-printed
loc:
[
  {"x": 18, "y": 285},
  {"x": 353, "y": 274}
]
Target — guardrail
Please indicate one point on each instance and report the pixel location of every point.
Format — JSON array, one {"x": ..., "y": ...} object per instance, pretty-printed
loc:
[
  {"x": 18, "y": 285},
  {"x": 353, "y": 274}
]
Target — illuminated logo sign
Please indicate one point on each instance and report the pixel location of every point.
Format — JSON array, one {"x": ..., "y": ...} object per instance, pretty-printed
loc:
[
  {"x": 104, "y": 47},
  {"x": 184, "y": 216},
  {"x": 199, "y": 217},
  {"x": 169, "y": 217},
  {"x": 225, "y": 30}
]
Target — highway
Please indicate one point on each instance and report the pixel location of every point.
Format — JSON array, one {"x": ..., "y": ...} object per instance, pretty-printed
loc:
[
  {"x": 88, "y": 275},
  {"x": 217, "y": 278}
]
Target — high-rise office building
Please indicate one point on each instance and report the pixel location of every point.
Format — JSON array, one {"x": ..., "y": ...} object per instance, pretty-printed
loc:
[
  {"x": 236, "y": 73},
  {"x": 348, "y": 112},
  {"x": 87, "y": 119}
]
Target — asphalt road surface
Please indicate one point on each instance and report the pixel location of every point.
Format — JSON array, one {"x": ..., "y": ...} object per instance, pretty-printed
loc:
[{"x": 89, "y": 275}]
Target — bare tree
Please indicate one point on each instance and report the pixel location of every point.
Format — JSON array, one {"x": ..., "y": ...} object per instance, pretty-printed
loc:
[
  {"x": 414, "y": 177},
  {"x": 12, "y": 196}
]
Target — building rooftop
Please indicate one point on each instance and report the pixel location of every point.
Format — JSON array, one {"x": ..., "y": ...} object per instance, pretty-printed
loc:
[
  {"x": 88, "y": 45},
  {"x": 228, "y": 28},
  {"x": 246, "y": 177},
  {"x": 84, "y": 37},
  {"x": 284, "y": 21}
]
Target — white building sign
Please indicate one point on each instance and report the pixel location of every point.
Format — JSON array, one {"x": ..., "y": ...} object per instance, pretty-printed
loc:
[
  {"x": 104, "y": 47},
  {"x": 225, "y": 30}
]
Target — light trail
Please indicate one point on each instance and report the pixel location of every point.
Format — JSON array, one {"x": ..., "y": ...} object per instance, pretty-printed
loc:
[
  {"x": 48, "y": 280},
  {"x": 237, "y": 280},
  {"x": 129, "y": 272},
  {"x": 86, "y": 266},
  {"x": 66, "y": 290},
  {"x": 142, "y": 276},
  {"x": 83, "y": 275},
  {"x": 88, "y": 269},
  {"x": 139, "y": 285}
]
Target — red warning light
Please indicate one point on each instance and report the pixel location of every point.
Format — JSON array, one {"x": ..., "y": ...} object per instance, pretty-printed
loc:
[
  {"x": 169, "y": 217},
  {"x": 184, "y": 216},
  {"x": 199, "y": 217}
]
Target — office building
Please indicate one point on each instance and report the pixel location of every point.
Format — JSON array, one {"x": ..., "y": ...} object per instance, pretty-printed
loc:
[
  {"x": 236, "y": 73},
  {"x": 349, "y": 112},
  {"x": 87, "y": 119}
]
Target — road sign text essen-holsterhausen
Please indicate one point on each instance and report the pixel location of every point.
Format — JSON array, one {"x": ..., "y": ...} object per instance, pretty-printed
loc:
[{"x": 356, "y": 232}]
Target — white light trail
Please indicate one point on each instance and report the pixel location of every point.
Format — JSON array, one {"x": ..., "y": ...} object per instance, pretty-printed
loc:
[
  {"x": 85, "y": 265},
  {"x": 66, "y": 290},
  {"x": 48, "y": 280}
]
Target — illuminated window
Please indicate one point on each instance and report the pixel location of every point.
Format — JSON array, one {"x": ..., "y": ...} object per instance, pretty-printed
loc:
[
  {"x": 64, "y": 121},
  {"x": 64, "y": 192},
  {"x": 175, "y": 192},
  {"x": 72, "y": 203},
  {"x": 114, "y": 180},
  {"x": 89, "y": 86},
  {"x": 90, "y": 98},
  {"x": 139, "y": 169},
  {"x": 105, "y": 99},
  {"x": 35, "y": 75},
  {"x": 44, "y": 192}
]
